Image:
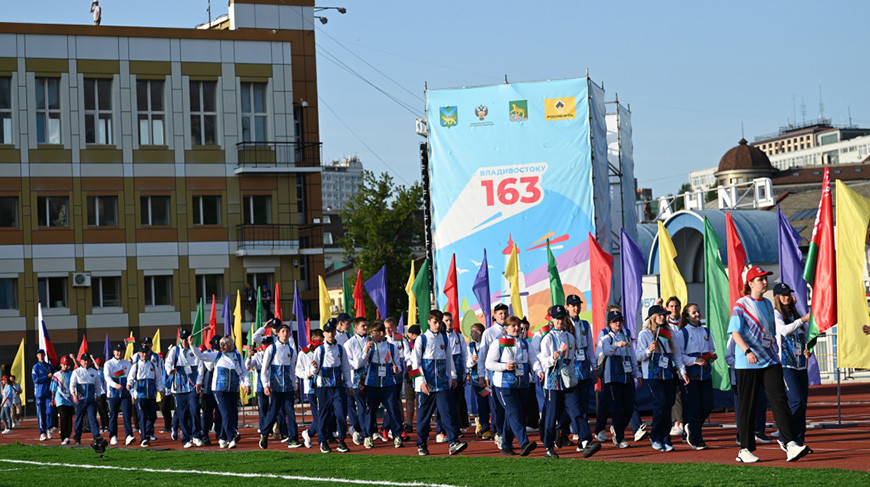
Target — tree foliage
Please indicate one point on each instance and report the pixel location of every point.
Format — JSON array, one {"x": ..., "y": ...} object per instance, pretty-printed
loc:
[{"x": 384, "y": 226}]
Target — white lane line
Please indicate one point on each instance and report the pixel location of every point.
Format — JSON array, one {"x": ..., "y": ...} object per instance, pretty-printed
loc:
[{"x": 231, "y": 474}]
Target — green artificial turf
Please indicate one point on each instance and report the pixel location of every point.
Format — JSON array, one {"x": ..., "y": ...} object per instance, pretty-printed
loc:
[{"x": 461, "y": 470}]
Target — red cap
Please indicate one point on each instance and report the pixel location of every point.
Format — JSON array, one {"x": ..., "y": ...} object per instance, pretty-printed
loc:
[
  {"x": 65, "y": 360},
  {"x": 756, "y": 271}
]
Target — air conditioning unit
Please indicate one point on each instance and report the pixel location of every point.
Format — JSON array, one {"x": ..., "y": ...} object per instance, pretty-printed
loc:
[{"x": 81, "y": 279}]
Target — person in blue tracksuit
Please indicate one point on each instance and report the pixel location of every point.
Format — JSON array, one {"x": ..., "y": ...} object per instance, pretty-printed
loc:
[
  {"x": 511, "y": 362},
  {"x": 278, "y": 377},
  {"x": 115, "y": 372},
  {"x": 145, "y": 381},
  {"x": 304, "y": 372},
  {"x": 457, "y": 351},
  {"x": 620, "y": 374},
  {"x": 354, "y": 349},
  {"x": 229, "y": 375},
  {"x": 382, "y": 361},
  {"x": 63, "y": 397},
  {"x": 183, "y": 367},
  {"x": 584, "y": 355},
  {"x": 492, "y": 333},
  {"x": 661, "y": 359},
  {"x": 211, "y": 415},
  {"x": 254, "y": 364},
  {"x": 433, "y": 368},
  {"x": 484, "y": 429},
  {"x": 791, "y": 335},
  {"x": 41, "y": 376},
  {"x": 333, "y": 382},
  {"x": 698, "y": 352},
  {"x": 401, "y": 344},
  {"x": 85, "y": 387}
]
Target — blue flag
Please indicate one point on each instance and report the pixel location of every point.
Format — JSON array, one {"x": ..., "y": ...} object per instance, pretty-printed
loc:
[
  {"x": 480, "y": 288},
  {"x": 791, "y": 270},
  {"x": 301, "y": 329},
  {"x": 107, "y": 350},
  {"x": 225, "y": 314},
  {"x": 400, "y": 328},
  {"x": 377, "y": 289},
  {"x": 631, "y": 264}
]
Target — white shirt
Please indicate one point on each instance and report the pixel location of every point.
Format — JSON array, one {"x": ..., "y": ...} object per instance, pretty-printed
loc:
[
  {"x": 225, "y": 361},
  {"x": 141, "y": 370},
  {"x": 433, "y": 352},
  {"x": 278, "y": 354},
  {"x": 84, "y": 376},
  {"x": 328, "y": 356},
  {"x": 492, "y": 333},
  {"x": 112, "y": 366},
  {"x": 181, "y": 357}
]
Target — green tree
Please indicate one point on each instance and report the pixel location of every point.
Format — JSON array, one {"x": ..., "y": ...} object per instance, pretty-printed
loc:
[
  {"x": 678, "y": 203},
  {"x": 713, "y": 192},
  {"x": 384, "y": 226}
]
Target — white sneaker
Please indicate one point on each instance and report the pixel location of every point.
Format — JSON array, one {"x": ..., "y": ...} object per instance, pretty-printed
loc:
[
  {"x": 231, "y": 444},
  {"x": 746, "y": 456},
  {"x": 795, "y": 451},
  {"x": 357, "y": 438},
  {"x": 676, "y": 430},
  {"x": 440, "y": 438},
  {"x": 129, "y": 440},
  {"x": 42, "y": 437},
  {"x": 623, "y": 444},
  {"x": 306, "y": 438},
  {"x": 114, "y": 440},
  {"x": 601, "y": 436},
  {"x": 497, "y": 439},
  {"x": 49, "y": 435},
  {"x": 6, "y": 431},
  {"x": 197, "y": 442},
  {"x": 65, "y": 441},
  {"x": 640, "y": 433},
  {"x": 222, "y": 443},
  {"x": 187, "y": 445}
]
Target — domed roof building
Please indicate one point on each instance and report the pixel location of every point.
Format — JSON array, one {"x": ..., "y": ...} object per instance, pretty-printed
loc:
[{"x": 742, "y": 164}]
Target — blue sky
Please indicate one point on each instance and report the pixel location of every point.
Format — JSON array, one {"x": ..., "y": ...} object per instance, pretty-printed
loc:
[{"x": 693, "y": 72}]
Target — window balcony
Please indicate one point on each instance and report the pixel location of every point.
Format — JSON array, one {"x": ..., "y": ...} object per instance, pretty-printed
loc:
[
  {"x": 278, "y": 157},
  {"x": 279, "y": 239}
]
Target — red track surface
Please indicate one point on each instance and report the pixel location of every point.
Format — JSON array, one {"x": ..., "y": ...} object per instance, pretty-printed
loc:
[{"x": 834, "y": 447}]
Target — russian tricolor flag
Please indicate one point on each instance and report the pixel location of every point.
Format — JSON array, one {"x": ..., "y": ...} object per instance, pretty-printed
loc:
[{"x": 44, "y": 339}]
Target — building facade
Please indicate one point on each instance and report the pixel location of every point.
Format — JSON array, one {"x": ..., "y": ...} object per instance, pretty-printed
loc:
[
  {"x": 341, "y": 180},
  {"x": 816, "y": 145},
  {"x": 145, "y": 169}
]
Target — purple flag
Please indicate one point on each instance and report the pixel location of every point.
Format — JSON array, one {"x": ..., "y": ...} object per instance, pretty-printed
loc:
[
  {"x": 301, "y": 329},
  {"x": 377, "y": 289},
  {"x": 225, "y": 314},
  {"x": 480, "y": 288},
  {"x": 107, "y": 350},
  {"x": 631, "y": 265},
  {"x": 791, "y": 271},
  {"x": 400, "y": 328}
]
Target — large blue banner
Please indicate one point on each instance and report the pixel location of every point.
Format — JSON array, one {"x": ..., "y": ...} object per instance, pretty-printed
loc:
[{"x": 513, "y": 164}]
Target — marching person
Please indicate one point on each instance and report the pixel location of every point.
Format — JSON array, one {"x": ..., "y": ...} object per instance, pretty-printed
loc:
[
  {"x": 63, "y": 398},
  {"x": 698, "y": 352},
  {"x": 410, "y": 393},
  {"x": 102, "y": 404},
  {"x": 115, "y": 373},
  {"x": 432, "y": 368},
  {"x": 254, "y": 364},
  {"x": 531, "y": 408},
  {"x": 85, "y": 387},
  {"x": 620, "y": 374},
  {"x": 146, "y": 380},
  {"x": 304, "y": 371},
  {"x": 211, "y": 415},
  {"x": 493, "y": 333},
  {"x": 660, "y": 362},
  {"x": 332, "y": 373},
  {"x": 356, "y": 348},
  {"x": 229, "y": 374},
  {"x": 342, "y": 328},
  {"x": 382, "y": 361},
  {"x": 278, "y": 377},
  {"x": 401, "y": 345},
  {"x": 484, "y": 429},
  {"x": 6, "y": 405},
  {"x": 183, "y": 368},
  {"x": 757, "y": 361},
  {"x": 511, "y": 364},
  {"x": 584, "y": 354},
  {"x": 166, "y": 404},
  {"x": 791, "y": 336},
  {"x": 41, "y": 377},
  {"x": 459, "y": 407},
  {"x": 673, "y": 306},
  {"x": 16, "y": 400}
]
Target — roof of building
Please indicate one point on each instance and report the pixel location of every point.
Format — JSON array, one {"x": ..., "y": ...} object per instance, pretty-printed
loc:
[
  {"x": 821, "y": 127},
  {"x": 744, "y": 156},
  {"x": 814, "y": 174}
]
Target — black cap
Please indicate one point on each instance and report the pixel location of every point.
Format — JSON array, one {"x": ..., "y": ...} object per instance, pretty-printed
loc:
[
  {"x": 119, "y": 347},
  {"x": 558, "y": 311},
  {"x": 656, "y": 309},
  {"x": 330, "y": 325},
  {"x": 415, "y": 329},
  {"x": 215, "y": 341},
  {"x": 275, "y": 323},
  {"x": 343, "y": 317},
  {"x": 499, "y": 307},
  {"x": 613, "y": 316},
  {"x": 184, "y": 333},
  {"x": 573, "y": 299},
  {"x": 85, "y": 356},
  {"x": 268, "y": 340},
  {"x": 146, "y": 341},
  {"x": 144, "y": 348},
  {"x": 782, "y": 288}
]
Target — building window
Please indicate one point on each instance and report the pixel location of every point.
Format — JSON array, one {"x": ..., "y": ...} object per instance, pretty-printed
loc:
[
  {"x": 208, "y": 285},
  {"x": 52, "y": 211},
  {"x": 52, "y": 292},
  {"x": 327, "y": 238},
  {"x": 254, "y": 112},
  {"x": 203, "y": 112},
  {"x": 257, "y": 210},
  {"x": 149, "y": 102},
  {"x": 206, "y": 210},
  {"x": 300, "y": 198},
  {"x": 106, "y": 292},
  {"x": 8, "y": 293},
  {"x": 6, "y": 110},
  {"x": 48, "y": 110},
  {"x": 98, "y": 111},
  {"x": 155, "y": 210},
  {"x": 158, "y": 290},
  {"x": 9, "y": 211},
  {"x": 103, "y": 211}
]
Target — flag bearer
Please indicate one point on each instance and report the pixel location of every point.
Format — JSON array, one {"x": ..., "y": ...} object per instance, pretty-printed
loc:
[
  {"x": 278, "y": 378},
  {"x": 355, "y": 349},
  {"x": 146, "y": 380},
  {"x": 254, "y": 364},
  {"x": 698, "y": 353},
  {"x": 183, "y": 368},
  {"x": 85, "y": 387},
  {"x": 493, "y": 333},
  {"x": 620, "y": 374},
  {"x": 332, "y": 374},
  {"x": 484, "y": 429},
  {"x": 304, "y": 371},
  {"x": 115, "y": 372},
  {"x": 791, "y": 336},
  {"x": 434, "y": 373},
  {"x": 229, "y": 374},
  {"x": 41, "y": 376},
  {"x": 63, "y": 397},
  {"x": 382, "y": 361},
  {"x": 511, "y": 363}
]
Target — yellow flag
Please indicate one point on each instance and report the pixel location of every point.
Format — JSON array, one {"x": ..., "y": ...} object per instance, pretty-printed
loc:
[
  {"x": 128, "y": 354},
  {"x": 19, "y": 371},
  {"x": 325, "y": 313},
  {"x": 512, "y": 274},
  {"x": 412, "y": 298},
  {"x": 671, "y": 281},
  {"x": 853, "y": 216},
  {"x": 237, "y": 320},
  {"x": 155, "y": 342}
]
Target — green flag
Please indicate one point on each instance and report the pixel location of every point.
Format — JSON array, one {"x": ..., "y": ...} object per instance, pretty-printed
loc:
[
  {"x": 197, "y": 326},
  {"x": 718, "y": 303},
  {"x": 557, "y": 293},
  {"x": 423, "y": 293},
  {"x": 347, "y": 294}
]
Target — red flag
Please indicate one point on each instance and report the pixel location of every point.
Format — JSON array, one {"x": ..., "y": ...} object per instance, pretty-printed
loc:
[
  {"x": 665, "y": 332},
  {"x": 358, "y": 304},
  {"x": 451, "y": 290},
  {"x": 736, "y": 261},
  {"x": 212, "y": 323},
  {"x": 83, "y": 348},
  {"x": 820, "y": 271},
  {"x": 278, "y": 301},
  {"x": 308, "y": 327},
  {"x": 177, "y": 337},
  {"x": 601, "y": 271}
]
